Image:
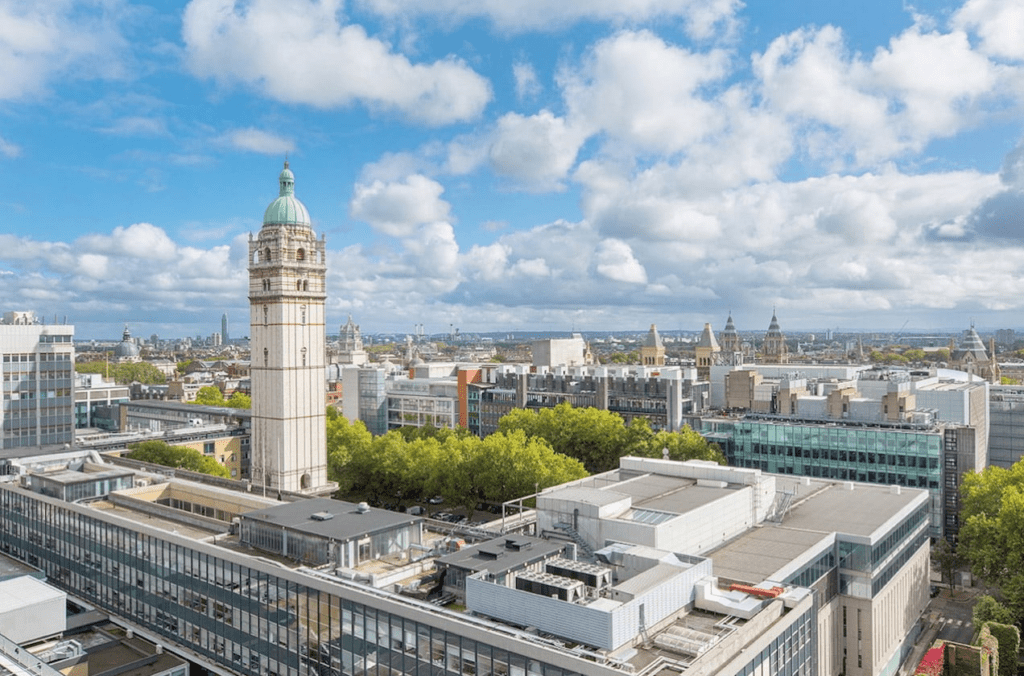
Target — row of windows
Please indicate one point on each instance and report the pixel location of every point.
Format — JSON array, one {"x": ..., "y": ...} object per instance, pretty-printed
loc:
[
  {"x": 64, "y": 338},
  {"x": 838, "y": 437},
  {"x": 867, "y": 458},
  {"x": 837, "y": 472},
  {"x": 813, "y": 571},
  {"x": 29, "y": 357},
  {"x": 793, "y": 653}
]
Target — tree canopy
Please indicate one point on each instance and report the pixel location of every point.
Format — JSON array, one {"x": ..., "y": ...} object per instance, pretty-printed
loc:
[
  {"x": 599, "y": 438},
  {"x": 461, "y": 468},
  {"x": 991, "y": 534},
  {"x": 162, "y": 453},
  {"x": 212, "y": 396},
  {"x": 123, "y": 374}
]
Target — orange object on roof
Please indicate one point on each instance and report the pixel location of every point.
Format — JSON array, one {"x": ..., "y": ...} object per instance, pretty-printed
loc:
[{"x": 757, "y": 591}]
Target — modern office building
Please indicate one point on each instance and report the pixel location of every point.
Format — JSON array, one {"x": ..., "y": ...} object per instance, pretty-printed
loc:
[
  {"x": 552, "y": 352},
  {"x": 476, "y": 396},
  {"x": 38, "y": 382},
  {"x": 659, "y": 568},
  {"x": 923, "y": 430},
  {"x": 664, "y": 395},
  {"x": 1006, "y": 425},
  {"x": 421, "y": 402},
  {"x": 287, "y": 270},
  {"x": 97, "y": 402}
]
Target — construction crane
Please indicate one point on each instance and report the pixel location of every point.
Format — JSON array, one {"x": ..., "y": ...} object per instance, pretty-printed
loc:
[{"x": 896, "y": 340}]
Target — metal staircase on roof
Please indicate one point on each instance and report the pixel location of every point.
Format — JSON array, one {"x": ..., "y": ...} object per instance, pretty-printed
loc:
[{"x": 576, "y": 537}]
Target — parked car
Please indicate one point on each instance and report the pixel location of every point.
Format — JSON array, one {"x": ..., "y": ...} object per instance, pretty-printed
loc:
[
  {"x": 417, "y": 510},
  {"x": 436, "y": 500}
]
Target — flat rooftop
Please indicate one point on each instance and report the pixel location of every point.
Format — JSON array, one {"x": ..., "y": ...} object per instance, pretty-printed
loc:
[
  {"x": 71, "y": 476},
  {"x": 671, "y": 495},
  {"x": 331, "y": 518},
  {"x": 819, "y": 509},
  {"x": 495, "y": 556}
]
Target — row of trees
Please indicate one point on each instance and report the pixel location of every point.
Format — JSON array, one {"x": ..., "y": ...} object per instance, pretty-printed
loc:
[
  {"x": 599, "y": 438},
  {"x": 530, "y": 450},
  {"x": 908, "y": 356},
  {"x": 461, "y": 468},
  {"x": 123, "y": 374}
]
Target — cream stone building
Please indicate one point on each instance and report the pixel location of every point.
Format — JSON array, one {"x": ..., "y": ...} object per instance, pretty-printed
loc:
[
  {"x": 287, "y": 270},
  {"x": 652, "y": 352}
]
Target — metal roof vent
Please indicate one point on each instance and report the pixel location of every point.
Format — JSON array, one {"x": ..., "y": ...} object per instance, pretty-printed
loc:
[
  {"x": 363, "y": 508},
  {"x": 322, "y": 516}
]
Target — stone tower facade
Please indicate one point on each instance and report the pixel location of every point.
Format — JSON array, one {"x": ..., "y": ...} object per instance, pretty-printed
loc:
[
  {"x": 775, "y": 350},
  {"x": 287, "y": 270},
  {"x": 706, "y": 352},
  {"x": 652, "y": 351}
]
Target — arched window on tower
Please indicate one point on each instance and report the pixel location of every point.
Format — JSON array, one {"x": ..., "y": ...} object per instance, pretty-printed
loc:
[
  {"x": 298, "y": 285},
  {"x": 266, "y": 255},
  {"x": 305, "y": 285},
  {"x": 300, "y": 254},
  {"x": 266, "y": 354},
  {"x": 266, "y": 310}
]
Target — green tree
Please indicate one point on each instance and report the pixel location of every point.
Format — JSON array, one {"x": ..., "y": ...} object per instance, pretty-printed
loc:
[
  {"x": 209, "y": 396},
  {"x": 914, "y": 354},
  {"x": 138, "y": 372},
  {"x": 344, "y": 439},
  {"x": 238, "y": 400},
  {"x": 162, "y": 453},
  {"x": 988, "y": 609},
  {"x": 991, "y": 536},
  {"x": 123, "y": 374},
  {"x": 599, "y": 438},
  {"x": 948, "y": 559},
  {"x": 507, "y": 466},
  {"x": 684, "y": 445}
]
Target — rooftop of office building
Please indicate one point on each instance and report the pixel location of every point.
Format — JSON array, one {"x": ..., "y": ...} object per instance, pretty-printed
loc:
[{"x": 650, "y": 530}]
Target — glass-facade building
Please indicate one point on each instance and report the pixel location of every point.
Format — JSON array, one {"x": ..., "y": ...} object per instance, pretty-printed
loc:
[{"x": 903, "y": 456}]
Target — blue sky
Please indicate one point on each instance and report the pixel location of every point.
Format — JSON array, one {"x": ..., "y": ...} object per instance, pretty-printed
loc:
[{"x": 519, "y": 164}]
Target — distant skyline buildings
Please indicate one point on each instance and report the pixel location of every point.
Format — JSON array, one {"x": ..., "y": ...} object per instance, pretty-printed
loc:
[{"x": 499, "y": 173}]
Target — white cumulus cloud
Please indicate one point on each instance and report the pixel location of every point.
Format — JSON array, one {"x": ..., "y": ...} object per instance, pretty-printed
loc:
[
  {"x": 702, "y": 18},
  {"x": 615, "y": 260},
  {"x": 40, "y": 41},
  {"x": 258, "y": 141},
  {"x": 301, "y": 52},
  {"x": 397, "y": 208}
]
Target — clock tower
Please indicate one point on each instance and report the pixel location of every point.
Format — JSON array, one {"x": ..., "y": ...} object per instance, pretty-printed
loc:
[{"x": 287, "y": 271}]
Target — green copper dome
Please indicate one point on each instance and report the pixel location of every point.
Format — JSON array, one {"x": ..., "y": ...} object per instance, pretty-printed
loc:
[{"x": 286, "y": 209}]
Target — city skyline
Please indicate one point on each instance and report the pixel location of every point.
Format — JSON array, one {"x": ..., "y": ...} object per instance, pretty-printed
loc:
[{"x": 492, "y": 166}]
